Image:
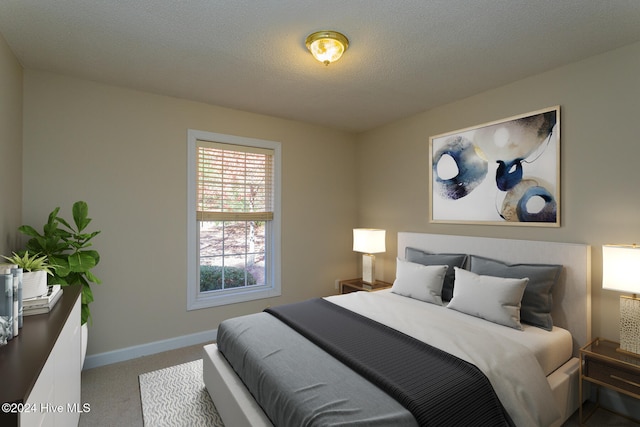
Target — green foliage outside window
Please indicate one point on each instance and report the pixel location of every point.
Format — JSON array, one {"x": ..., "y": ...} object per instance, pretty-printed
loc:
[{"x": 234, "y": 277}]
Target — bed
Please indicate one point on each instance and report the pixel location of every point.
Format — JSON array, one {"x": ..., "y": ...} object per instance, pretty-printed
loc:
[{"x": 533, "y": 370}]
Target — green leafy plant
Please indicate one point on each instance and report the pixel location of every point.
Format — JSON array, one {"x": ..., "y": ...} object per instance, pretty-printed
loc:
[
  {"x": 65, "y": 247},
  {"x": 31, "y": 262}
]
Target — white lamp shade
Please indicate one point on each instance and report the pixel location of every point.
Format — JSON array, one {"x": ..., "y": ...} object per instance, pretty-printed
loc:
[
  {"x": 369, "y": 240},
  {"x": 621, "y": 268}
]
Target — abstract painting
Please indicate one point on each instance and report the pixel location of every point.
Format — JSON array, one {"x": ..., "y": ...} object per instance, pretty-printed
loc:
[{"x": 505, "y": 172}]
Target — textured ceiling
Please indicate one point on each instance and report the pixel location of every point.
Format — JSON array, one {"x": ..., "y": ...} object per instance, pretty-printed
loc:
[{"x": 405, "y": 56}]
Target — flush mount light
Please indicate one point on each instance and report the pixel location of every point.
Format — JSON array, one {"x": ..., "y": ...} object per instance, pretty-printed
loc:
[{"x": 327, "y": 46}]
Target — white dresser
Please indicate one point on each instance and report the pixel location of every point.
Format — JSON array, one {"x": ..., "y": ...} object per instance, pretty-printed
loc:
[{"x": 41, "y": 368}]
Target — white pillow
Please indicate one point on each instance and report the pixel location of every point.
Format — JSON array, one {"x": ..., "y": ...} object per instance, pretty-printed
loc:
[
  {"x": 422, "y": 282},
  {"x": 495, "y": 299}
]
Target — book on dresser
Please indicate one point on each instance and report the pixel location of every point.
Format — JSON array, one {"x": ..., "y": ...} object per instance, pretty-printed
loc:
[{"x": 42, "y": 304}]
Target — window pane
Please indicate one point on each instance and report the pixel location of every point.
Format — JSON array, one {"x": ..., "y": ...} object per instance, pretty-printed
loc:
[
  {"x": 211, "y": 274},
  {"x": 211, "y": 240},
  {"x": 232, "y": 254}
]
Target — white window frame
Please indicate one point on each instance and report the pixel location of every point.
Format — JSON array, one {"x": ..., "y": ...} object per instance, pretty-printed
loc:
[{"x": 272, "y": 288}]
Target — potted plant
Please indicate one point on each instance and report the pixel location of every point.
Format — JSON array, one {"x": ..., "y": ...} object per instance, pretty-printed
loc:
[
  {"x": 66, "y": 248},
  {"x": 35, "y": 270}
]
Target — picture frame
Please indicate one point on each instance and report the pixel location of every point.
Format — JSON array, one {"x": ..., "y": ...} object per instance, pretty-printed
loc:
[{"x": 505, "y": 172}]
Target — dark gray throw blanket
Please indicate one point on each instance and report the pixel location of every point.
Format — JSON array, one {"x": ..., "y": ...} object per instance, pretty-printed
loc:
[{"x": 437, "y": 388}]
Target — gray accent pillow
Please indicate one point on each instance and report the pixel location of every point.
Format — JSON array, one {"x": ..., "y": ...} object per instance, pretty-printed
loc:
[
  {"x": 537, "y": 300},
  {"x": 451, "y": 260},
  {"x": 422, "y": 282},
  {"x": 495, "y": 299}
]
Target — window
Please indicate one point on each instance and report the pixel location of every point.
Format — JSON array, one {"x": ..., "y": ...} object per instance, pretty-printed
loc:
[{"x": 233, "y": 219}]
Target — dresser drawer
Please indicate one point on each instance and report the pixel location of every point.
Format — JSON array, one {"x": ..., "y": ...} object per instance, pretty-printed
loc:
[{"x": 624, "y": 379}]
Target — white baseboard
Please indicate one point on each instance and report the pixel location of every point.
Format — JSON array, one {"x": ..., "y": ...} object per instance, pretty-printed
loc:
[{"x": 109, "y": 357}]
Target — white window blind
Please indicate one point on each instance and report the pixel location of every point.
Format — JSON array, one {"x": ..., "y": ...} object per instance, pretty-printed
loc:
[{"x": 234, "y": 183}]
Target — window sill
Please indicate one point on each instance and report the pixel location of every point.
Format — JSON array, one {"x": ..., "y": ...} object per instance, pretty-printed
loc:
[{"x": 215, "y": 299}]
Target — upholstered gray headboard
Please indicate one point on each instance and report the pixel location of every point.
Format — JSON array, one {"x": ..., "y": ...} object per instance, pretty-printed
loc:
[{"x": 571, "y": 295}]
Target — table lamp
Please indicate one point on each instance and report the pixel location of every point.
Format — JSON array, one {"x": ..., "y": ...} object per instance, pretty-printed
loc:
[
  {"x": 369, "y": 241},
  {"x": 620, "y": 272}
]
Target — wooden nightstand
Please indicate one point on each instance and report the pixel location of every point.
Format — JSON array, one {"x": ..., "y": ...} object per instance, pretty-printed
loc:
[
  {"x": 354, "y": 285},
  {"x": 603, "y": 364}
]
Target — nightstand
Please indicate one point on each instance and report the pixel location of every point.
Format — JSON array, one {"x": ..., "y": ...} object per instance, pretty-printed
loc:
[
  {"x": 354, "y": 285},
  {"x": 603, "y": 364}
]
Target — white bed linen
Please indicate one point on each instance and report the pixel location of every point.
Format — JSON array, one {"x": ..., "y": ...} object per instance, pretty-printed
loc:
[{"x": 511, "y": 367}]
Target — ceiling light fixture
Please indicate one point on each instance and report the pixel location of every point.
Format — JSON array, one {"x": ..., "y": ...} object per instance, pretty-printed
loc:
[{"x": 327, "y": 46}]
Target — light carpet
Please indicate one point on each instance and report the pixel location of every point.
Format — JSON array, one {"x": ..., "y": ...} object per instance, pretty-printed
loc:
[{"x": 176, "y": 396}]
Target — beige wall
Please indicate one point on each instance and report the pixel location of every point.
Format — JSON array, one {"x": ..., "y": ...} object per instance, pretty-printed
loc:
[
  {"x": 600, "y": 149},
  {"x": 124, "y": 152},
  {"x": 10, "y": 147}
]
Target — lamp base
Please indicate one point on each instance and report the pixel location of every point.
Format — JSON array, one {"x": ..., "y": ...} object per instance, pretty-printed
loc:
[
  {"x": 369, "y": 269},
  {"x": 629, "y": 324}
]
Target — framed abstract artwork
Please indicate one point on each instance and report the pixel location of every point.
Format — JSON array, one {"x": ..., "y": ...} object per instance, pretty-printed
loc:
[{"x": 505, "y": 172}]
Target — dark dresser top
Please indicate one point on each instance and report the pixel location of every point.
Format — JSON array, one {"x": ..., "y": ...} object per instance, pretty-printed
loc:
[{"x": 23, "y": 358}]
